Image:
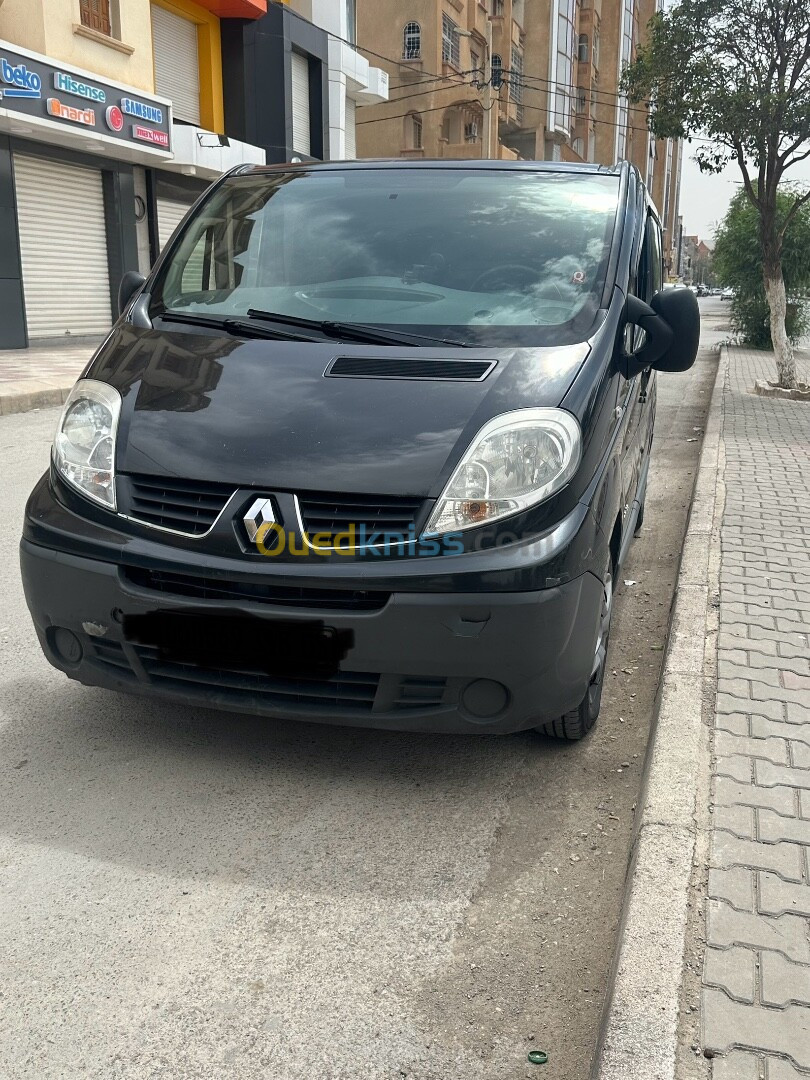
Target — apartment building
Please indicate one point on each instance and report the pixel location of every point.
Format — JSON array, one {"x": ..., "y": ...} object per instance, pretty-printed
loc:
[
  {"x": 441, "y": 52},
  {"x": 549, "y": 69}
]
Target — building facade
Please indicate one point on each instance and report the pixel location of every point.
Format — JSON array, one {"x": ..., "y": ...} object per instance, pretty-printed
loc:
[
  {"x": 111, "y": 124},
  {"x": 549, "y": 69},
  {"x": 115, "y": 116}
]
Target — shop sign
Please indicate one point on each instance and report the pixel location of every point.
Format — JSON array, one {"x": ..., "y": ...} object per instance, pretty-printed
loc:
[
  {"x": 70, "y": 112},
  {"x": 150, "y": 135},
  {"x": 19, "y": 81},
  {"x": 68, "y": 85},
  {"x": 97, "y": 106},
  {"x": 142, "y": 111}
]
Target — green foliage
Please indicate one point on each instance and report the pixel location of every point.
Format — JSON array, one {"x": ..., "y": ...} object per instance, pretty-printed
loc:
[
  {"x": 737, "y": 261},
  {"x": 734, "y": 71}
]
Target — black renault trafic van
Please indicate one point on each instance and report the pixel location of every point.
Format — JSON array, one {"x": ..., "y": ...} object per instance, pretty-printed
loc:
[{"x": 368, "y": 446}]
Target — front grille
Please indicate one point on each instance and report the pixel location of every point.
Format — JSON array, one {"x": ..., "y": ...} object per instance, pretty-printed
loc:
[
  {"x": 409, "y": 367},
  {"x": 183, "y": 506},
  {"x": 348, "y": 690},
  {"x": 368, "y": 513},
  {"x": 418, "y": 692},
  {"x": 264, "y": 592}
]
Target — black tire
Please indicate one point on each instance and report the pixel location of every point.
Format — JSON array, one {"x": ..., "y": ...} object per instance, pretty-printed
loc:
[
  {"x": 575, "y": 724},
  {"x": 640, "y": 518}
]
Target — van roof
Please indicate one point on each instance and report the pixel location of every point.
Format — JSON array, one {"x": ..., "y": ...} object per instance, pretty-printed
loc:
[{"x": 438, "y": 163}]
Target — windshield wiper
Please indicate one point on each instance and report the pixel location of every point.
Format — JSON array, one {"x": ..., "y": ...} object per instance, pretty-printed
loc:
[
  {"x": 238, "y": 327},
  {"x": 354, "y": 331}
]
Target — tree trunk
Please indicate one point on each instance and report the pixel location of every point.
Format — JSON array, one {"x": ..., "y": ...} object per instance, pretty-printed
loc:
[
  {"x": 783, "y": 350},
  {"x": 774, "y": 282}
]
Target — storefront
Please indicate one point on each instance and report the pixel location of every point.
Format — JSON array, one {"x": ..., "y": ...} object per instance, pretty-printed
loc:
[{"x": 73, "y": 150}]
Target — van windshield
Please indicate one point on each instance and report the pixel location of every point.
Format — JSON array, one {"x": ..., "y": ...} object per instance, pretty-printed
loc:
[{"x": 491, "y": 256}]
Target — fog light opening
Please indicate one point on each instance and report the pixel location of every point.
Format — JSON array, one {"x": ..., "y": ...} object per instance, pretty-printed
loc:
[
  {"x": 66, "y": 645},
  {"x": 484, "y": 699}
]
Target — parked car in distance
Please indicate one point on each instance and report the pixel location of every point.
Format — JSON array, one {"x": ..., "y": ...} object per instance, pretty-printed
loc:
[
  {"x": 368, "y": 446},
  {"x": 703, "y": 290},
  {"x": 727, "y": 293}
]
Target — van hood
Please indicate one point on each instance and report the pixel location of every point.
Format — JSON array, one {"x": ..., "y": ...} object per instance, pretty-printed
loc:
[{"x": 260, "y": 413}]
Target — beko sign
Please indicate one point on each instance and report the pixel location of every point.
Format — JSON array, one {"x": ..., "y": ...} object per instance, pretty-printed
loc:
[{"x": 32, "y": 87}]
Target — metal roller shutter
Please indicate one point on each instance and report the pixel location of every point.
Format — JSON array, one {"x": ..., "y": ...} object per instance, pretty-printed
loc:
[
  {"x": 177, "y": 63},
  {"x": 300, "y": 104},
  {"x": 63, "y": 248},
  {"x": 351, "y": 130},
  {"x": 169, "y": 214}
]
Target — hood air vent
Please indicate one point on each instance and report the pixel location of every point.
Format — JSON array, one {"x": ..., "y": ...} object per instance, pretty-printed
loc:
[{"x": 409, "y": 367}]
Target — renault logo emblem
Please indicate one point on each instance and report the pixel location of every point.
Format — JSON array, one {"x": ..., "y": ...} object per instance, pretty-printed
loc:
[{"x": 258, "y": 519}]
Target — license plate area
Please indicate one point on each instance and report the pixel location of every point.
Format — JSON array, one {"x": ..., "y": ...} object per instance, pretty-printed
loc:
[{"x": 238, "y": 642}]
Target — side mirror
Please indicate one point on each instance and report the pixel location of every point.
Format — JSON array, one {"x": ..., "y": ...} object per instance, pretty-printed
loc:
[
  {"x": 131, "y": 282},
  {"x": 671, "y": 323}
]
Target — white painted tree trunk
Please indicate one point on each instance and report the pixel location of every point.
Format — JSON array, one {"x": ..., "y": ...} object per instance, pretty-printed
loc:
[{"x": 777, "y": 303}]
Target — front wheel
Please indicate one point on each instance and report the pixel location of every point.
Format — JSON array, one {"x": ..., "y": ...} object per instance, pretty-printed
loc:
[{"x": 575, "y": 724}]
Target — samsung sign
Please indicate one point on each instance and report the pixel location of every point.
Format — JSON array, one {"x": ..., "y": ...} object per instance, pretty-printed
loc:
[{"x": 31, "y": 87}]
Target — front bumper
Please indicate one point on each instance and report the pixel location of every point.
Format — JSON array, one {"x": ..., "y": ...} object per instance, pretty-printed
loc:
[{"x": 474, "y": 661}]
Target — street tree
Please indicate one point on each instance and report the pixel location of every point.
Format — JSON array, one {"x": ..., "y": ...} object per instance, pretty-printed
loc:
[
  {"x": 735, "y": 74},
  {"x": 738, "y": 262}
]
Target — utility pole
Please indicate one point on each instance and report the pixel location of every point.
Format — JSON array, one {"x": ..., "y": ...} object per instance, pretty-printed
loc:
[
  {"x": 488, "y": 109},
  {"x": 488, "y": 96}
]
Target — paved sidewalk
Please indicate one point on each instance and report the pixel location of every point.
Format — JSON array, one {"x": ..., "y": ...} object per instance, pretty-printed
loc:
[
  {"x": 756, "y": 975},
  {"x": 41, "y": 376}
]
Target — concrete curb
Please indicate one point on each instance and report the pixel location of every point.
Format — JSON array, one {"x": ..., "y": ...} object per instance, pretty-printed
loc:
[
  {"x": 639, "y": 1032},
  {"x": 40, "y": 395}
]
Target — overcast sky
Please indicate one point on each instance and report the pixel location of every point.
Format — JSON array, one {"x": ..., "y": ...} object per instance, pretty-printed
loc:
[{"x": 704, "y": 199}]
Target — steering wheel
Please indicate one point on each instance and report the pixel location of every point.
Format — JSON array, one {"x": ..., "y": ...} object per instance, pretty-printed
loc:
[{"x": 504, "y": 274}]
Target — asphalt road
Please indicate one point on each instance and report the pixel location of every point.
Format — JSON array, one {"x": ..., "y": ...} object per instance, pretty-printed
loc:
[{"x": 186, "y": 894}]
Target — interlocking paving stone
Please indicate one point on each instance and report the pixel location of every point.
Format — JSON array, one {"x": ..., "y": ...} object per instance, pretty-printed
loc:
[
  {"x": 775, "y": 827},
  {"x": 728, "y": 1024},
  {"x": 774, "y": 749},
  {"x": 804, "y": 804},
  {"x": 736, "y": 723},
  {"x": 778, "y": 897},
  {"x": 768, "y": 775},
  {"x": 728, "y": 703},
  {"x": 781, "y": 799},
  {"x": 779, "y": 1069},
  {"x": 737, "y": 1065},
  {"x": 735, "y": 886},
  {"x": 783, "y": 858},
  {"x": 761, "y": 727},
  {"x": 735, "y": 819},
  {"x": 800, "y": 753},
  {"x": 783, "y": 933},
  {"x": 736, "y": 767},
  {"x": 734, "y": 970},
  {"x": 783, "y": 981}
]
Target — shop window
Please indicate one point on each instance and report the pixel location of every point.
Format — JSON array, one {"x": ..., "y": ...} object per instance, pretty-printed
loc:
[
  {"x": 96, "y": 15},
  {"x": 412, "y": 41}
]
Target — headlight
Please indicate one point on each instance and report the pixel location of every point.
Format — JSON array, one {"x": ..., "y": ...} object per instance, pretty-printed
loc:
[
  {"x": 84, "y": 447},
  {"x": 516, "y": 461}
]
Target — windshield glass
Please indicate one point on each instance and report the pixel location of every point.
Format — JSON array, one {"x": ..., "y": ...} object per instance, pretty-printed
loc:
[{"x": 488, "y": 256}]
